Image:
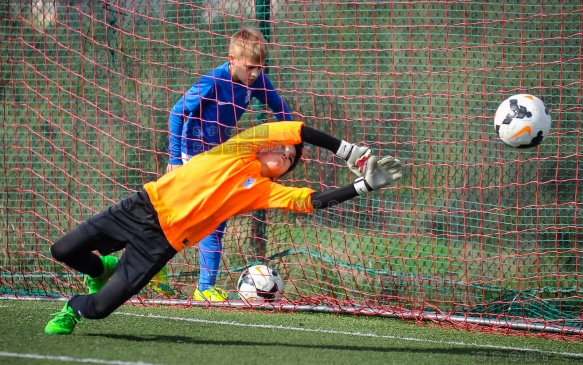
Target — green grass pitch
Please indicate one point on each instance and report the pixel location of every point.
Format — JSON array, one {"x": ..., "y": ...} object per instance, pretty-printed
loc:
[{"x": 165, "y": 335}]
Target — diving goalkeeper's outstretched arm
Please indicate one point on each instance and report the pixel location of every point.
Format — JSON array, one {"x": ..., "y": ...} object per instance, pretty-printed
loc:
[{"x": 373, "y": 174}]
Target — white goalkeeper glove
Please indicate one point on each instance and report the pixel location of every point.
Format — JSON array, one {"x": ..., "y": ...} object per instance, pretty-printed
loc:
[
  {"x": 354, "y": 155},
  {"x": 378, "y": 174}
]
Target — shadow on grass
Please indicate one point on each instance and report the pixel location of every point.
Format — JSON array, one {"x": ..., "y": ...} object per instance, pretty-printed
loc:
[{"x": 479, "y": 354}]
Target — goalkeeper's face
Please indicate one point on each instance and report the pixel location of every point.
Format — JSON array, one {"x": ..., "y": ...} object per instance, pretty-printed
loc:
[
  {"x": 244, "y": 70},
  {"x": 276, "y": 161}
]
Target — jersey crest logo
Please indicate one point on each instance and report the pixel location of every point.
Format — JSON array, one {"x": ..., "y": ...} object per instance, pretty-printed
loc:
[{"x": 248, "y": 183}]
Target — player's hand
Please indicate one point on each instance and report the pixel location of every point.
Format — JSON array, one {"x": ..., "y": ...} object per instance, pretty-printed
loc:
[
  {"x": 357, "y": 158},
  {"x": 379, "y": 174},
  {"x": 171, "y": 167}
]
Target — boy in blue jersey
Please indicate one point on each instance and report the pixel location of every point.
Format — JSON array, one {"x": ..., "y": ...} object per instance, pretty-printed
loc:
[{"x": 206, "y": 116}]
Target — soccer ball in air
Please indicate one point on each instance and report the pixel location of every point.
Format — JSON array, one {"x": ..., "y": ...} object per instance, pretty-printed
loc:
[
  {"x": 260, "y": 284},
  {"x": 522, "y": 121}
]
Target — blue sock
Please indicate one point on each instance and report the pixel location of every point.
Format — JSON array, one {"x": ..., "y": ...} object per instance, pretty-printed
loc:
[{"x": 210, "y": 257}]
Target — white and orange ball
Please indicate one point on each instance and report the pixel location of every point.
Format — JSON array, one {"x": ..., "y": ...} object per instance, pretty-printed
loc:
[
  {"x": 522, "y": 121},
  {"x": 260, "y": 284}
]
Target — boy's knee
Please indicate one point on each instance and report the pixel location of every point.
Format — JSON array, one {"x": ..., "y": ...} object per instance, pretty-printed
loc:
[{"x": 58, "y": 252}]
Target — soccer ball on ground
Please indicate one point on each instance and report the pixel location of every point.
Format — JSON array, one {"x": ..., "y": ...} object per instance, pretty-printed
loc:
[
  {"x": 522, "y": 121},
  {"x": 260, "y": 284}
]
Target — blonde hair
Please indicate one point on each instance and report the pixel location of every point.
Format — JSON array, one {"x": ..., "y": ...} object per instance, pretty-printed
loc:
[{"x": 250, "y": 44}]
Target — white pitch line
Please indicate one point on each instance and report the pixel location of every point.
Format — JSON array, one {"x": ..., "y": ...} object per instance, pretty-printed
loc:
[
  {"x": 359, "y": 334},
  {"x": 71, "y": 359}
]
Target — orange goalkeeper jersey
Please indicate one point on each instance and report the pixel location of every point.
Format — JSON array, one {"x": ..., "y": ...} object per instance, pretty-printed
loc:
[{"x": 222, "y": 182}]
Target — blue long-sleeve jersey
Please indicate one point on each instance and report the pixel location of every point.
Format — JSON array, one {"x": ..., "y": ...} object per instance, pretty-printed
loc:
[{"x": 208, "y": 113}]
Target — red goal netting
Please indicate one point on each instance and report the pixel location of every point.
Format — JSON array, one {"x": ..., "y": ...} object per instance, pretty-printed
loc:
[{"x": 475, "y": 233}]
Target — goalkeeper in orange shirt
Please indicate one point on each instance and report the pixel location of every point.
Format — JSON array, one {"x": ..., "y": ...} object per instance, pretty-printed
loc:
[{"x": 185, "y": 205}]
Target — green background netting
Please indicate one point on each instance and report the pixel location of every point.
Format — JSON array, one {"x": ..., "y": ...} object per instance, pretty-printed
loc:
[{"x": 87, "y": 86}]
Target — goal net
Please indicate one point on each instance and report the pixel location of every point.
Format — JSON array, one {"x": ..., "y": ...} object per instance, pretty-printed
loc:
[{"x": 475, "y": 232}]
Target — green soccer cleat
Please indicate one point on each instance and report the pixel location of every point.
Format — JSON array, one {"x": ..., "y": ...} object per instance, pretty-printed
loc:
[
  {"x": 160, "y": 283},
  {"x": 211, "y": 295},
  {"x": 95, "y": 284},
  {"x": 64, "y": 322}
]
